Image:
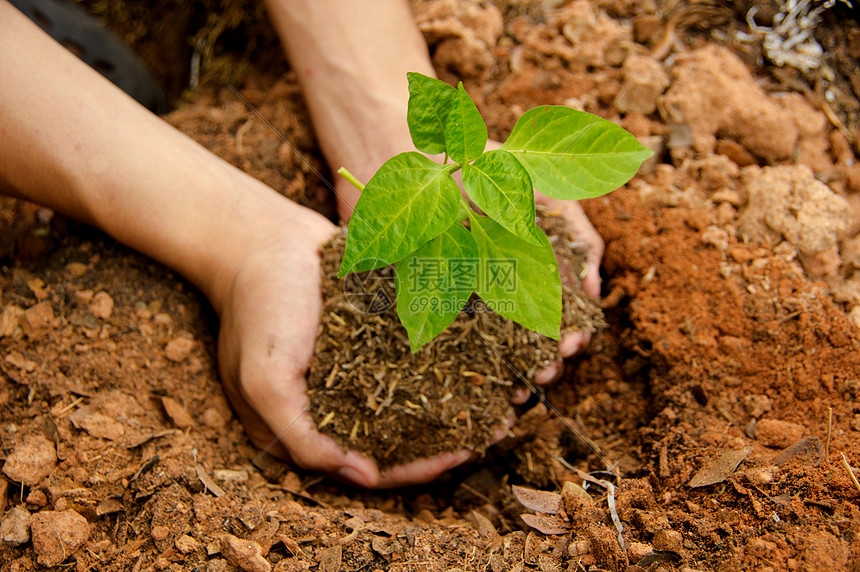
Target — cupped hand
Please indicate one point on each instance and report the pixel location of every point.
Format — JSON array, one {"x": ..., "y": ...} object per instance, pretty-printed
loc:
[{"x": 269, "y": 322}]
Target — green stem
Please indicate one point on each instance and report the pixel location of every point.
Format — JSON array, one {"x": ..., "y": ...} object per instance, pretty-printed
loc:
[{"x": 351, "y": 178}]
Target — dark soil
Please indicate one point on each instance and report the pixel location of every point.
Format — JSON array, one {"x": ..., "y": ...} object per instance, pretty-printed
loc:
[
  {"x": 730, "y": 357},
  {"x": 373, "y": 395}
]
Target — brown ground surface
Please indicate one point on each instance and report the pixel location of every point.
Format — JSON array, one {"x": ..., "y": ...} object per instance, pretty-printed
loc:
[{"x": 730, "y": 360}]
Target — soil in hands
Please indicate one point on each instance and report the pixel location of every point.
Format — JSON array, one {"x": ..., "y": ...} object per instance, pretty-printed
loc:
[{"x": 372, "y": 394}]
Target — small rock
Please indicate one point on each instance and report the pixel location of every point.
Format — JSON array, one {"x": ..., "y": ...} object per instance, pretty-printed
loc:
[
  {"x": 578, "y": 548},
  {"x": 37, "y": 498},
  {"x": 159, "y": 532},
  {"x": 102, "y": 305},
  {"x": 180, "y": 417},
  {"x": 636, "y": 551},
  {"x": 4, "y": 488},
  {"x": 10, "y": 320},
  {"x": 84, "y": 296},
  {"x": 735, "y": 152},
  {"x": 776, "y": 433},
  {"x": 757, "y": 405},
  {"x": 32, "y": 461},
  {"x": 178, "y": 349},
  {"x": 15, "y": 527},
  {"x": 604, "y": 546},
  {"x": 645, "y": 80},
  {"x": 657, "y": 144},
  {"x": 823, "y": 263},
  {"x": 246, "y": 554},
  {"x": 17, "y": 359},
  {"x": 163, "y": 319},
  {"x": 788, "y": 202},
  {"x": 57, "y": 535},
  {"x": 216, "y": 565},
  {"x": 213, "y": 419},
  {"x": 646, "y": 27},
  {"x": 185, "y": 544},
  {"x": 668, "y": 539},
  {"x": 38, "y": 320},
  {"x": 715, "y": 236},
  {"x": 761, "y": 548},
  {"x": 761, "y": 475},
  {"x": 76, "y": 269}
]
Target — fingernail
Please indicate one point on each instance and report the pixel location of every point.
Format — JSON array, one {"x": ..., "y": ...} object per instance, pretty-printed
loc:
[
  {"x": 548, "y": 375},
  {"x": 571, "y": 344},
  {"x": 354, "y": 476},
  {"x": 520, "y": 396}
]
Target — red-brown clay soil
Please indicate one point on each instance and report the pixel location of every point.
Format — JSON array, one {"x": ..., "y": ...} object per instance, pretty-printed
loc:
[{"x": 724, "y": 392}]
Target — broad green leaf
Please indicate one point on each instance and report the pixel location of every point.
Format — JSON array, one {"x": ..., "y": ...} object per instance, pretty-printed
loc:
[
  {"x": 409, "y": 201},
  {"x": 572, "y": 154},
  {"x": 465, "y": 130},
  {"x": 517, "y": 279},
  {"x": 429, "y": 102},
  {"x": 502, "y": 188},
  {"x": 434, "y": 283}
]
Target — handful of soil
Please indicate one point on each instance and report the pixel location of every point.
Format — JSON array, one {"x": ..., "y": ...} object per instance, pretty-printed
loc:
[{"x": 371, "y": 394}]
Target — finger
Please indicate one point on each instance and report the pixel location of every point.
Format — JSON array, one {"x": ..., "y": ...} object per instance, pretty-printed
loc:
[
  {"x": 521, "y": 395},
  {"x": 582, "y": 230},
  {"x": 283, "y": 407},
  {"x": 549, "y": 374},
  {"x": 591, "y": 281},
  {"x": 423, "y": 470},
  {"x": 573, "y": 343}
]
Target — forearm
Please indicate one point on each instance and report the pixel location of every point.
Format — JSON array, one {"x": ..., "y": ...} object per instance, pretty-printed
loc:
[
  {"x": 351, "y": 57},
  {"x": 72, "y": 141}
]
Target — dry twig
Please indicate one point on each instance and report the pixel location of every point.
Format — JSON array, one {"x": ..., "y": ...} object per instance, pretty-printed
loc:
[{"x": 850, "y": 472}]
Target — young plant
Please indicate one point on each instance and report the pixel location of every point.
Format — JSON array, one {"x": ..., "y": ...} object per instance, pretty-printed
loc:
[{"x": 412, "y": 213}]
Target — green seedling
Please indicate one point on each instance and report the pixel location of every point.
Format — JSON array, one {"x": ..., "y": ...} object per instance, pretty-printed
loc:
[{"x": 412, "y": 213}]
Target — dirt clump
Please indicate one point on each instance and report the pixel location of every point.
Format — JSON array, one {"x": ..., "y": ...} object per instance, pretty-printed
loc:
[{"x": 714, "y": 95}]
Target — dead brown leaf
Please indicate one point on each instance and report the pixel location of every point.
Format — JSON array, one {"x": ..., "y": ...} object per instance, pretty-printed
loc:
[
  {"x": 719, "y": 470},
  {"x": 539, "y": 501}
]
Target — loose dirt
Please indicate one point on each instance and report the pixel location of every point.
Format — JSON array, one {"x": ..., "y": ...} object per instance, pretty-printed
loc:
[
  {"x": 709, "y": 419},
  {"x": 373, "y": 395}
]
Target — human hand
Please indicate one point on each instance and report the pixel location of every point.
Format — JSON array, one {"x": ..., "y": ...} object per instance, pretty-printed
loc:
[{"x": 269, "y": 321}]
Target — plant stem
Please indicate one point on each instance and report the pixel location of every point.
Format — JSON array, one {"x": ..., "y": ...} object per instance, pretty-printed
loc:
[{"x": 351, "y": 178}]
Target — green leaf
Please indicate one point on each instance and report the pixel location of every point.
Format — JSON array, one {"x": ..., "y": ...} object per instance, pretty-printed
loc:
[
  {"x": 518, "y": 280},
  {"x": 434, "y": 283},
  {"x": 465, "y": 130},
  {"x": 429, "y": 102},
  {"x": 409, "y": 201},
  {"x": 502, "y": 188},
  {"x": 572, "y": 154}
]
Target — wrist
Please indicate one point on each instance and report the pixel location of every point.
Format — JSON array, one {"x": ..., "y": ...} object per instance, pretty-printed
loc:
[{"x": 261, "y": 225}]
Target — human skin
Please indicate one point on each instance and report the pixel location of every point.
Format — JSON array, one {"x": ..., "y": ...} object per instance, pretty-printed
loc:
[{"x": 73, "y": 142}]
